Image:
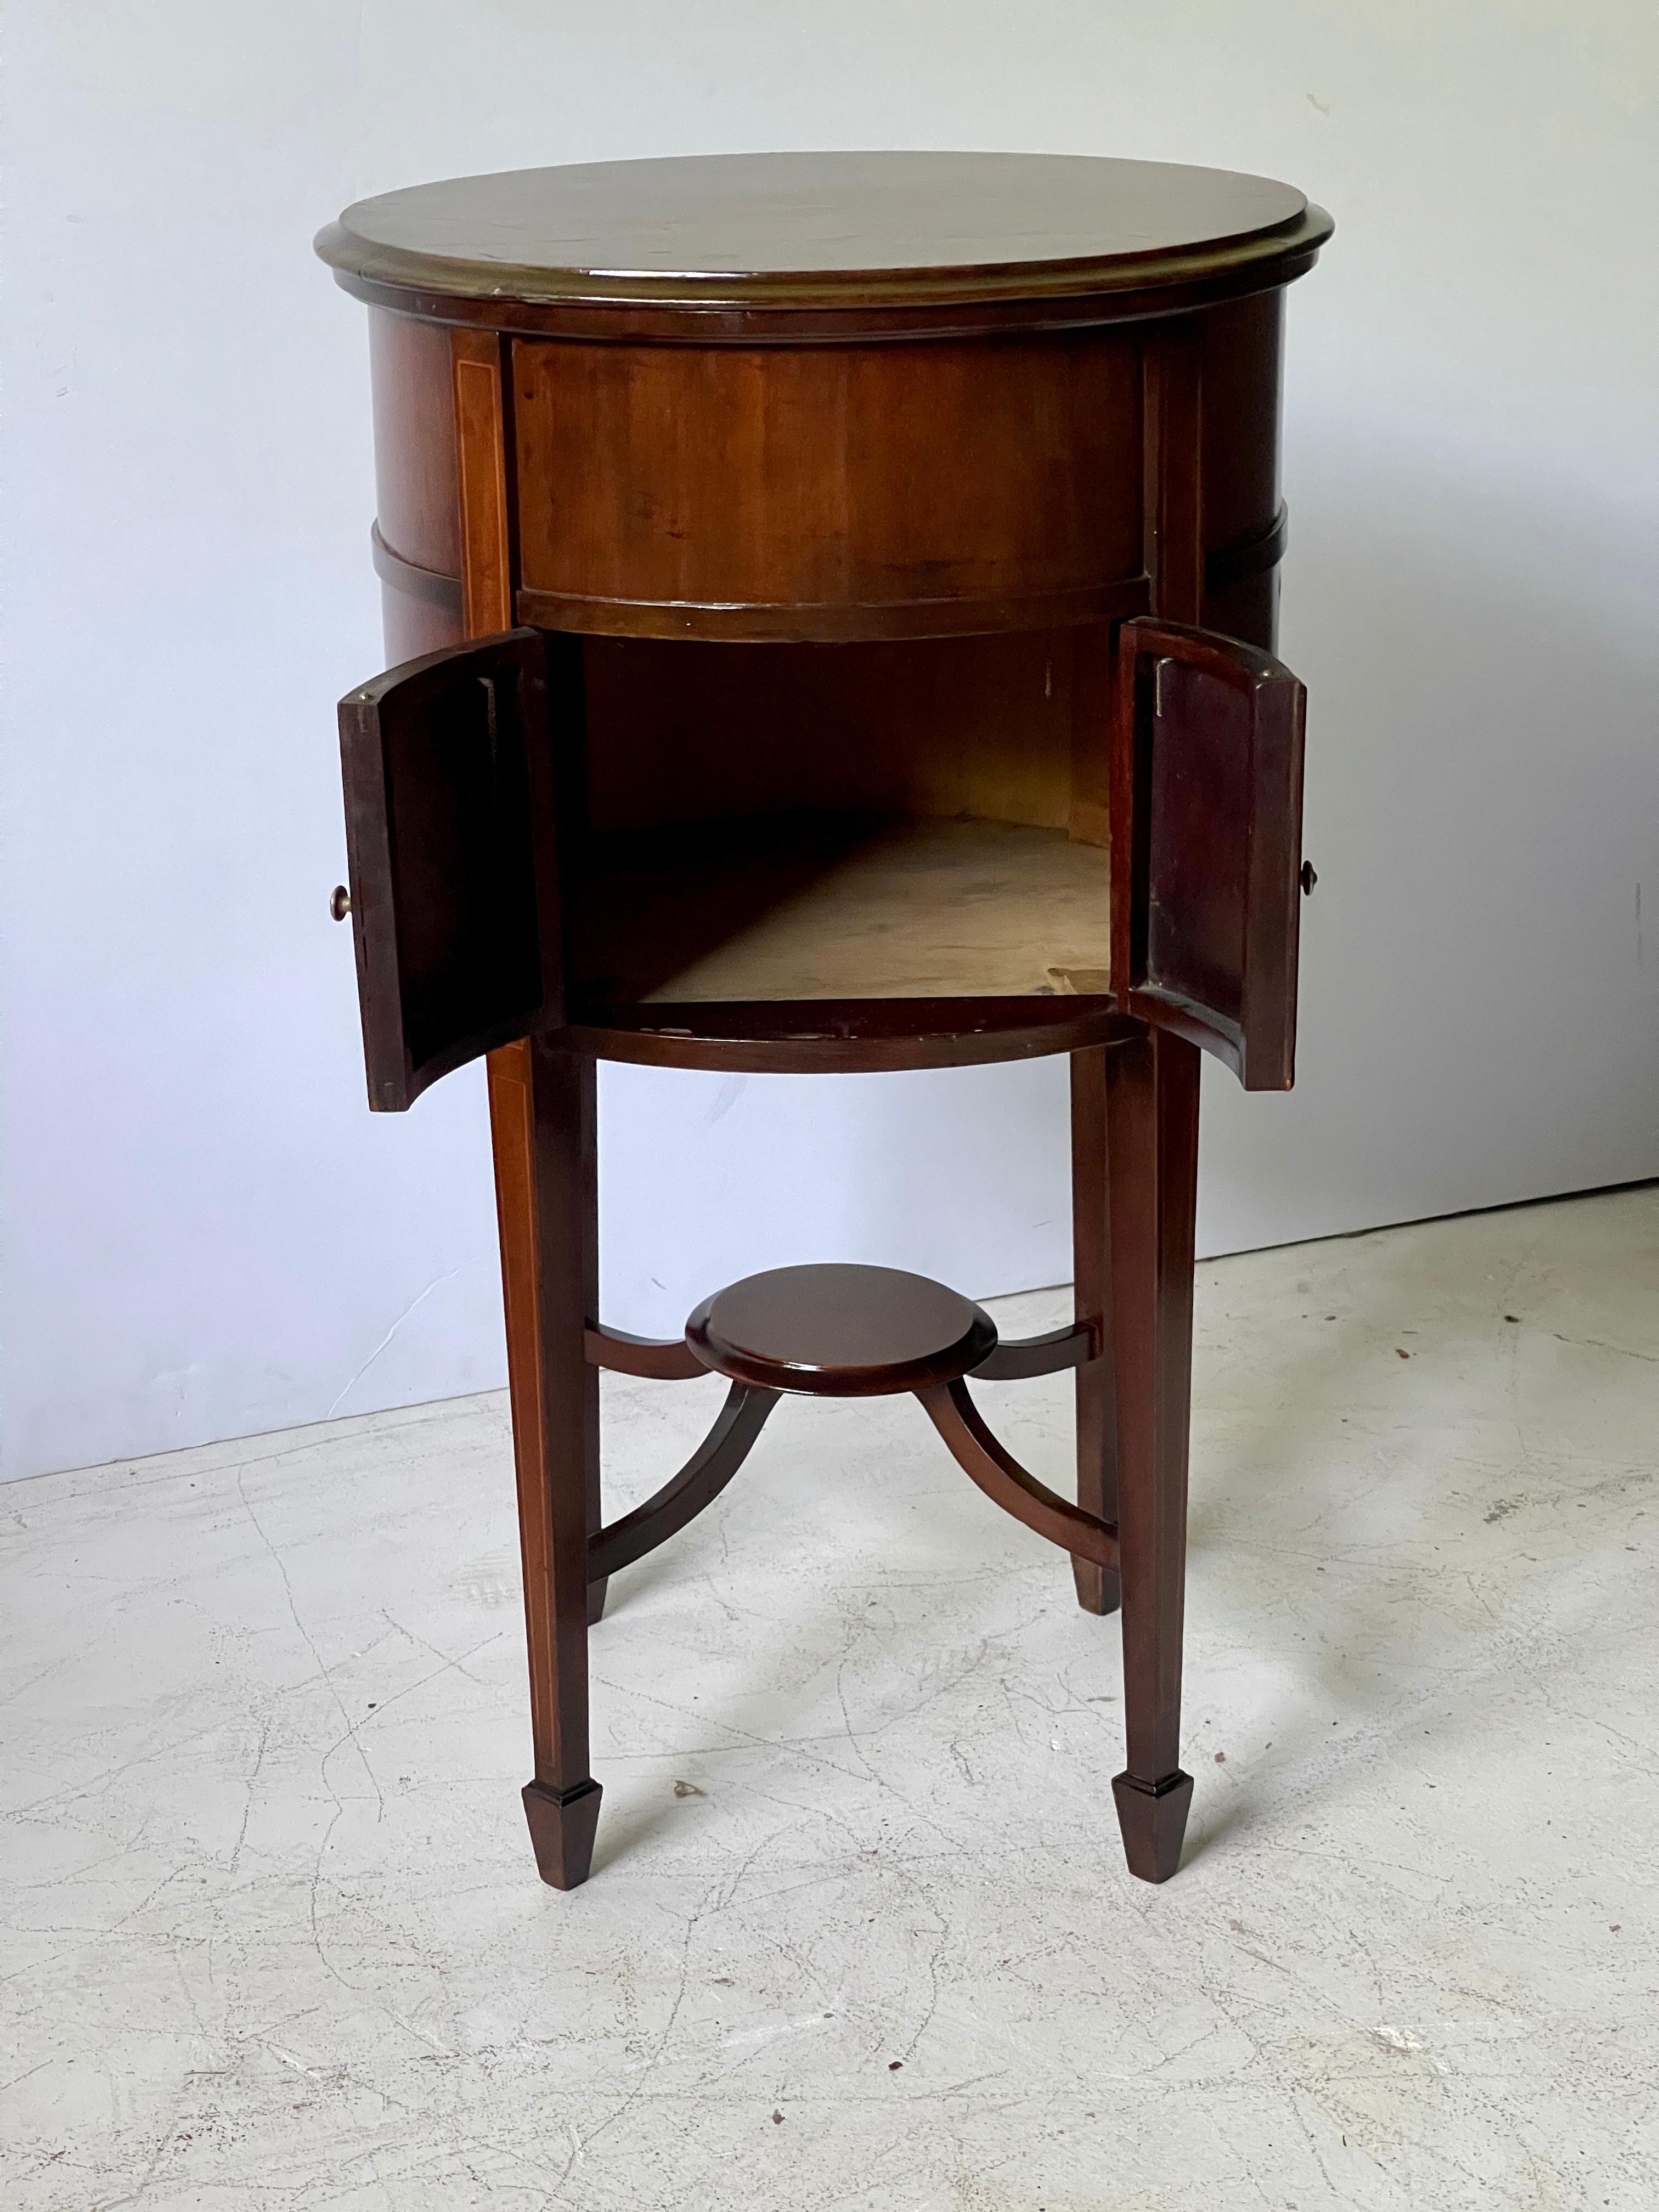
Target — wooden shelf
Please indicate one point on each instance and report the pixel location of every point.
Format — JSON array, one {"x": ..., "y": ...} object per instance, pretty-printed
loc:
[{"x": 842, "y": 907}]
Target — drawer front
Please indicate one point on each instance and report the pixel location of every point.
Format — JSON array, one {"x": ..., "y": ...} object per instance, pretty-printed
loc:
[{"x": 829, "y": 491}]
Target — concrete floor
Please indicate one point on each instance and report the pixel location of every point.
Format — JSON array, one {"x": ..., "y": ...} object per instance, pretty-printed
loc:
[{"x": 860, "y": 1934}]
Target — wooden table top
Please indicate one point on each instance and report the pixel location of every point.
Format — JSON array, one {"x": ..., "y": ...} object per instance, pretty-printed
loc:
[{"x": 822, "y": 232}]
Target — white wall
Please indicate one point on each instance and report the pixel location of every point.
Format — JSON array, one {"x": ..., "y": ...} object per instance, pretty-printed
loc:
[{"x": 206, "y": 1234}]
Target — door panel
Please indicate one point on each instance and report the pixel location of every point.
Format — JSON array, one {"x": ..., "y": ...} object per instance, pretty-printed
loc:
[
  {"x": 451, "y": 766},
  {"x": 1206, "y": 768}
]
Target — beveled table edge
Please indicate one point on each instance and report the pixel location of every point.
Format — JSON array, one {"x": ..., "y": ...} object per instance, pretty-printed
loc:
[
  {"x": 374, "y": 262},
  {"x": 795, "y": 309}
]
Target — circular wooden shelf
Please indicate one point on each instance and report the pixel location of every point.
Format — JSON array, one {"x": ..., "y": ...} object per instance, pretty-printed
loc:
[
  {"x": 841, "y": 1332},
  {"x": 846, "y": 241}
]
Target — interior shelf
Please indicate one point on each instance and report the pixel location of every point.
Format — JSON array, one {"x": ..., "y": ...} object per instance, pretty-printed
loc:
[{"x": 841, "y": 907}]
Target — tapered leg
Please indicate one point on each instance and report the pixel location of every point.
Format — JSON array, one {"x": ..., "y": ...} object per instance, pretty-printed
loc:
[
  {"x": 1097, "y": 1419},
  {"x": 1152, "y": 1113},
  {"x": 542, "y": 1113}
]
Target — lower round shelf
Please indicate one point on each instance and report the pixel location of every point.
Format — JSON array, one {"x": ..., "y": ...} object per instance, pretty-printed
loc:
[{"x": 841, "y": 1332}]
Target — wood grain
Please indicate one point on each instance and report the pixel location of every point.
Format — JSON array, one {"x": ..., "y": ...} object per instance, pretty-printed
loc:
[
  {"x": 416, "y": 492},
  {"x": 1174, "y": 506},
  {"x": 697, "y": 1485},
  {"x": 823, "y": 576},
  {"x": 839, "y": 1331},
  {"x": 1244, "y": 345},
  {"x": 829, "y": 908},
  {"x": 549, "y": 1188},
  {"x": 979, "y": 482},
  {"x": 481, "y": 443},
  {"x": 417, "y": 536},
  {"x": 543, "y": 1135},
  {"x": 654, "y": 1360},
  {"x": 1096, "y": 1583},
  {"x": 450, "y": 829},
  {"x": 1207, "y": 753},
  {"x": 847, "y": 1037},
  {"x": 951, "y": 1408},
  {"x": 1020, "y": 1358},
  {"x": 1152, "y": 1104},
  {"x": 801, "y": 243},
  {"x": 682, "y": 733}
]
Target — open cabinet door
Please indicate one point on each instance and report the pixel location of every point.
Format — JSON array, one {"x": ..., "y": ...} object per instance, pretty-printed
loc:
[
  {"x": 1206, "y": 781},
  {"x": 451, "y": 768}
]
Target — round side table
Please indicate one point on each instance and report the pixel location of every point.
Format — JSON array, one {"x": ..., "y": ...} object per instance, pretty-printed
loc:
[{"x": 833, "y": 597}]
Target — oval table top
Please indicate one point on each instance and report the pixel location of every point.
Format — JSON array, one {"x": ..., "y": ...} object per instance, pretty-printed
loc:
[{"x": 823, "y": 240}]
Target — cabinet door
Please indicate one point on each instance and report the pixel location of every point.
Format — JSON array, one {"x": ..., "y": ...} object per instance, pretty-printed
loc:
[
  {"x": 451, "y": 766},
  {"x": 1206, "y": 784}
]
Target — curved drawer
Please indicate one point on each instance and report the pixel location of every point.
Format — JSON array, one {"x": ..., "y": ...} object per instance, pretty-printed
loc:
[{"x": 830, "y": 492}]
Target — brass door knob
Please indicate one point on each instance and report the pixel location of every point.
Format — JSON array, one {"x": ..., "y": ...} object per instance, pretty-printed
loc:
[
  {"x": 1309, "y": 879},
  {"x": 339, "y": 902}
]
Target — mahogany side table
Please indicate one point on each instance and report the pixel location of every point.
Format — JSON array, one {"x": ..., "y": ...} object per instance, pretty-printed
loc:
[{"x": 871, "y": 563}]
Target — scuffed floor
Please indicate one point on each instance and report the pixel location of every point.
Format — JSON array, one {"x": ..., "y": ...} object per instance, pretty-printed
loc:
[{"x": 858, "y": 1934}]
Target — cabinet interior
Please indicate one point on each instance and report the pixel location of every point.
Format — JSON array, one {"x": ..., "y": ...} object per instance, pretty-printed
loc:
[{"x": 921, "y": 819}]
